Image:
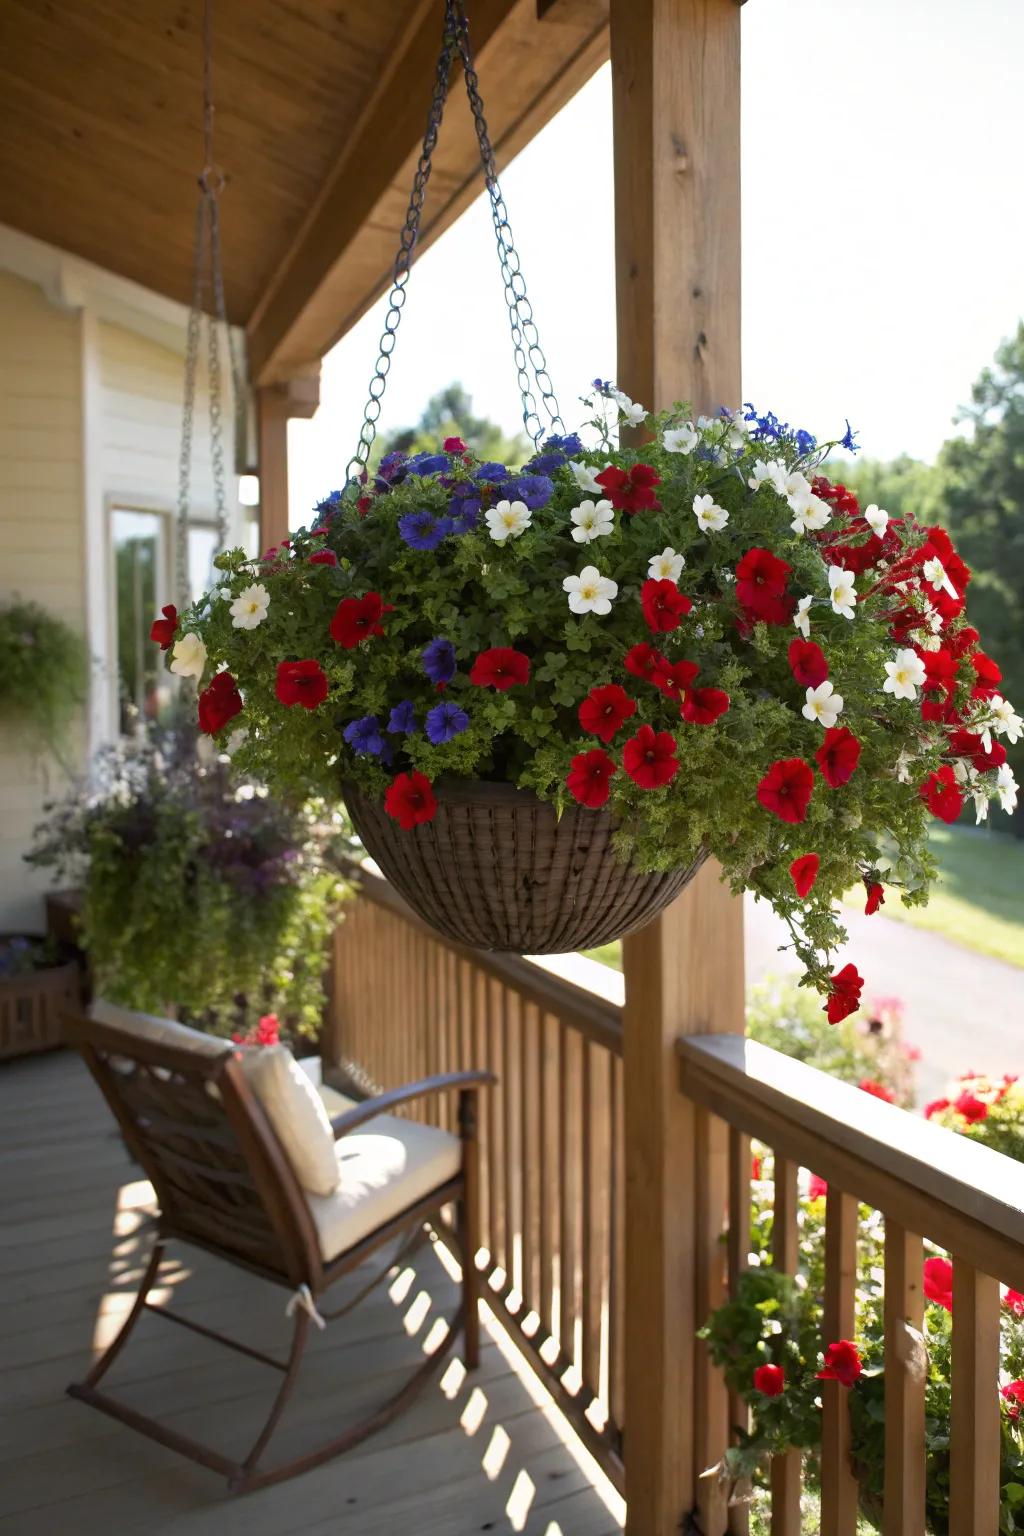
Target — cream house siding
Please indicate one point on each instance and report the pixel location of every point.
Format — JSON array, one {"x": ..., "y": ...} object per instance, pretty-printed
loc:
[{"x": 41, "y": 539}]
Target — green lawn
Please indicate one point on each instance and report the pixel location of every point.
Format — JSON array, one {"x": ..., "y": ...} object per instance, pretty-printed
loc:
[{"x": 978, "y": 900}]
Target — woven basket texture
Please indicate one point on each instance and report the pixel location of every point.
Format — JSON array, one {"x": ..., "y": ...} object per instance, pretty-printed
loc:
[{"x": 497, "y": 869}]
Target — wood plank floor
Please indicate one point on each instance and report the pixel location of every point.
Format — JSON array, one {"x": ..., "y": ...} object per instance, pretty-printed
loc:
[{"x": 486, "y": 1452}]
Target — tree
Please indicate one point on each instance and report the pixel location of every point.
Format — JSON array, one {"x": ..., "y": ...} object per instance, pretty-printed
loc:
[{"x": 449, "y": 413}]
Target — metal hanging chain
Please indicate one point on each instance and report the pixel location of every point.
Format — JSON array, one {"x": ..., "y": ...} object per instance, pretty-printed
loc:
[
  {"x": 206, "y": 268},
  {"x": 525, "y": 341}
]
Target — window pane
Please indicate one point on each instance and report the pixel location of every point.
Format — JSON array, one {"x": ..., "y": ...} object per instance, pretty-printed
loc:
[
  {"x": 202, "y": 546},
  {"x": 142, "y": 687}
]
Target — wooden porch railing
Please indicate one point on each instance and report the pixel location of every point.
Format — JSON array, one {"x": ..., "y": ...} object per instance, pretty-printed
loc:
[
  {"x": 926, "y": 1183},
  {"x": 406, "y": 1003}
]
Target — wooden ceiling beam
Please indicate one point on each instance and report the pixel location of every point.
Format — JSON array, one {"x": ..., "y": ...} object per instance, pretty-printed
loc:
[{"x": 341, "y": 259}]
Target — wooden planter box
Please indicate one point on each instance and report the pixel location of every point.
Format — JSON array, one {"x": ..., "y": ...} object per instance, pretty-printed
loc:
[{"x": 32, "y": 1008}]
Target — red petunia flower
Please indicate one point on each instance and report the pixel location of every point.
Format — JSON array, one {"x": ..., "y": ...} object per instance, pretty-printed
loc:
[
  {"x": 1015, "y": 1302},
  {"x": 877, "y": 1090},
  {"x": 761, "y": 582},
  {"x": 630, "y": 490},
  {"x": 649, "y": 758},
  {"x": 938, "y": 1282},
  {"x": 604, "y": 710},
  {"x": 941, "y": 793},
  {"x": 588, "y": 778},
  {"x": 755, "y": 1167},
  {"x": 844, "y": 989},
  {"x": 219, "y": 703},
  {"x": 301, "y": 682},
  {"x": 324, "y": 557},
  {"x": 842, "y": 1363},
  {"x": 703, "y": 706},
  {"x": 807, "y": 663},
  {"x": 986, "y": 669},
  {"x": 164, "y": 630},
  {"x": 673, "y": 677},
  {"x": 357, "y": 618},
  {"x": 643, "y": 661},
  {"x": 268, "y": 1030},
  {"x": 664, "y": 605},
  {"x": 838, "y": 755},
  {"x": 817, "y": 1187},
  {"x": 876, "y": 897},
  {"x": 1013, "y": 1395},
  {"x": 501, "y": 668},
  {"x": 454, "y": 445},
  {"x": 363, "y": 505},
  {"x": 803, "y": 872},
  {"x": 935, "y": 1107},
  {"x": 769, "y": 1380},
  {"x": 786, "y": 789},
  {"x": 410, "y": 800},
  {"x": 973, "y": 1109}
]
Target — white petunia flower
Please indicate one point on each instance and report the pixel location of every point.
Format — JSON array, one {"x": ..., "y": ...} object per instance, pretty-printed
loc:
[
  {"x": 934, "y": 572},
  {"x": 585, "y": 477},
  {"x": 635, "y": 415},
  {"x": 681, "y": 439},
  {"x": 802, "y": 617},
  {"x": 590, "y": 592},
  {"x": 668, "y": 566},
  {"x": 823, "y": 704},
  {"x": 809, "y": 513},
  {"x": 1005, "y": 722},
  {"x": 763, "y": 471},
  {"x": 1007, "y": 786},
  {"x": 711, "y": 518},
  {"x": 877, "y": 519},
  {"x": 508, "y": 520},
  {"x": 188, "y": 658},
  {"x": 794, "y": 486},
  {"x": 843, "y": 591},
  {"x": 593, "y": 520},
  {"x": 903, "y": 763},
  {"x": 778, "y": 474},
  {"x": 249, "y": 608},
  {"x": 904, "y": 675},
  {"x": 980, "y": 806}
]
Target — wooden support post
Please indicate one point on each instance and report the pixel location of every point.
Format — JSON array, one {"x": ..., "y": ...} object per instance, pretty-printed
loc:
[
  {"x": 675, "y": 83},
  {"x": 275, "y": 405}
]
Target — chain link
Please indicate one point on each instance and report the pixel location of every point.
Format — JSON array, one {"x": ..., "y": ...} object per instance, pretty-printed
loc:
[{"x": 525, "y": 340}]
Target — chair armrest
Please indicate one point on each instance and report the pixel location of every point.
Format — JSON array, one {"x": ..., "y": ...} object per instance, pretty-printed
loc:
[{"x": 384, "y": 1103}]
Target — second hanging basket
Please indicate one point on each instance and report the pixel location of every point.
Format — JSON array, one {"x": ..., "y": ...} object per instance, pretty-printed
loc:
[{"x": 497, "y": 869}]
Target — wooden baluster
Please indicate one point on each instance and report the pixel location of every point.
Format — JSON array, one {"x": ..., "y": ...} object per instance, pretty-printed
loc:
[
  {"x": 513, "y": 1134},
  {"x": 616, "y": 1243},
  {"x": 570, "y": 1085},
  {"x": 974, "y": 1418},
  {"x": 838, "y": 1485},
  {"x": 738, "y": 1252},
  {"x": 787, "y": 1470},
  {"x": 906, "y": 1372},
  {"x": 529, "y": 1117},
  {"x": 548, "y": 1195},
  {"x": 496, "y": 1125},
  {"x": 474, "y": 999},
  {"x": 711, "y": 1400}
]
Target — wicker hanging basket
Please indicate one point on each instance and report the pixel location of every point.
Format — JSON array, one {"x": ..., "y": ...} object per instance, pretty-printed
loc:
[{"x": 497, "y": 869}]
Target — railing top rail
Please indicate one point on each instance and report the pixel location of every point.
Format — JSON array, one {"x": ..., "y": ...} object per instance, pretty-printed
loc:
[
  {"x": 596, "y": 1017},
  {"x": 965, "y": 1197}
]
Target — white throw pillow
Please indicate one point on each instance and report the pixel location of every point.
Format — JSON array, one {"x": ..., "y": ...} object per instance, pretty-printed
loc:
[{"x": 294, "y": 1109}]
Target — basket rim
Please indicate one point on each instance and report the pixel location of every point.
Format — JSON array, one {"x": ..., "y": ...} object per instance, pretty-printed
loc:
[{"x": 452, "y": 791}]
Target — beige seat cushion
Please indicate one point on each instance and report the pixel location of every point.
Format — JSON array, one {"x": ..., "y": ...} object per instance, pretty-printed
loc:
[
  {"x": 384, "y": 1168},
  {"x": 158, "y": 1031},
  {"x": 295, "y": 1110}
]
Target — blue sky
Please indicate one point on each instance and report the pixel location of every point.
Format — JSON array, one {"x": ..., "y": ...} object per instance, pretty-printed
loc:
[{"x": 883, "y": 237}]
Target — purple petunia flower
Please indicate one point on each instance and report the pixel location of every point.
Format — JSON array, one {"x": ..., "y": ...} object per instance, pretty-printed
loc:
[
  {"x": 533, "y": 490},
  {"x": 464, "y": 513},
  {"x": 364, "y": 736},
  {"x": 403, "y": 719},
  {"x": 439, "y": 661},
  {"x": 423, "y": 531},
  {"x": 427, "y": 464},
  {"x": 491, "y": 471},
  {"x": 444, "y": 722}
]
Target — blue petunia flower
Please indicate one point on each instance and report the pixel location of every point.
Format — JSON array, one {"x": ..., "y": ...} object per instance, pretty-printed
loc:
[
  {"x": 491, "y": 471},
  {"x": 768, "y": 428},
  {"x": 545, "y": 463},
  {"x": 533, "y": 490},
  {"x": 464, "y": 513},
  {"x": 569, "y": 444},
  {"x": 364, "y": 736},
  {"x": 427, "y": 463},
  {"x": 444, "y": 722},
  {"x": 423, "y": 531},
  {"x": 439, "y": 660},
  {"x": 403, "y": 719},
  {"x": 806, "y": 442},
  {"x": 849, "y": 442},
  {"x": 603, "y": 386}
]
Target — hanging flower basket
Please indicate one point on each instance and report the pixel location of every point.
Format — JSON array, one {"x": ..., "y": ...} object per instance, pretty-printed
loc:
[
  {"x": 623, "y": 659},
  {"x": 496, "y": 868}
]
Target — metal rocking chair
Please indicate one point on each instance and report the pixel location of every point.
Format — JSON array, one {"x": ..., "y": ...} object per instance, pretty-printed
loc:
[{"x": 224, "y": 1184}]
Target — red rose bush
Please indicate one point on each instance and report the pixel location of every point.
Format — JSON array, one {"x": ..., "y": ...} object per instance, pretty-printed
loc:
[{"x": 701, "y": 635}]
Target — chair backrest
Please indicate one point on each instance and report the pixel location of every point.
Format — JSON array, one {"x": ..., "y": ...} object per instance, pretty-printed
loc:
[{"x": 218, "y": 1170}]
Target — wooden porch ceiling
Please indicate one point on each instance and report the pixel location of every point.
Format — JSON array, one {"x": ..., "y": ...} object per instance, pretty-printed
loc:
[{"x": 320, "y": 110}]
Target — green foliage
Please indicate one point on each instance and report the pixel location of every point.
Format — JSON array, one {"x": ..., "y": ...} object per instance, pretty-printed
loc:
[
  {"x": 480, "y": 593},
  {"x": 43, "y": 676},
  {"x": 868, "y": 1046},
  {"x": 201, "y": 895},
  {"x": 449, "y": 413}
]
